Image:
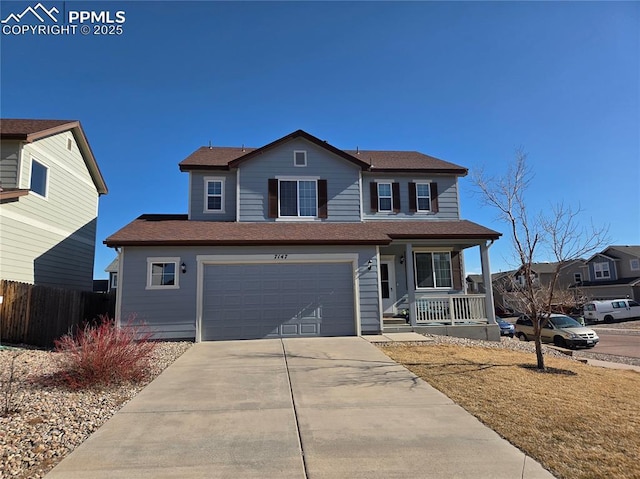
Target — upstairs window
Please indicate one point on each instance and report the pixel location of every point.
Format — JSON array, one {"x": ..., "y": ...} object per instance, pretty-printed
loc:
[
  {"x": 601, "y": 270},
  {"x": 299, "y": 158},
  {"x": 214, "y": 195},
  {"x": 39, "y": 176},
  {"x": 634, "y": 264},
  {"x": 385, "y": 196},
  {"x": 577, "y": 278},
  {"x": 433, "y": 270},
  {"x": 385, "y": 200},
  {"x": 297, "y": 198},
  {"x": 423, "y": 197},
  {"x": 162, "y": 273}
]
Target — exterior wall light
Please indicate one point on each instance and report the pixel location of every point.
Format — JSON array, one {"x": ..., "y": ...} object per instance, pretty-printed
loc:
[
  {"x": 369, "y": 264},
  {"x": 183, "y": 267}
]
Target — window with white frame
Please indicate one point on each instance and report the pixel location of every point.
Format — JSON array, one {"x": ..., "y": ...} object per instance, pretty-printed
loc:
[
  {"x": 299, "y": 158},
  {"x": 433, "y": 270},
  {"x": 214, "y": 195},
  {"x": 114, "y": 280},
  {"x": 385, "y": 197},
  {"x": 601, "y": 270},
  {"x": 423, "y": 197},
  {"x": 577, "y": 278},
  {"x": 634, "y": 264},
  {"x": 39, "y": 177},
  {"x": 162, "y": 273},
  {"x": 298, "y": 198}
]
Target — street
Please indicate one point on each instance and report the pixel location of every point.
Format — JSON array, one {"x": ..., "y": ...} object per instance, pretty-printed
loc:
[{"x": 617, "y": 343}]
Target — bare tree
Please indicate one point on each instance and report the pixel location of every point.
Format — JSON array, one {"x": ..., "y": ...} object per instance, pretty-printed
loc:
[{"x": 554, "y": 234}]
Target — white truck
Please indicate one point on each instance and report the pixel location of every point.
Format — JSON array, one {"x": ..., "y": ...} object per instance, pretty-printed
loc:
[{"x": 611, "y": 310}]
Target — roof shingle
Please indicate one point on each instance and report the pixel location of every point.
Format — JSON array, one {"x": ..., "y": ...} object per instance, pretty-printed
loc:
[{"x": 179, "y": 230}]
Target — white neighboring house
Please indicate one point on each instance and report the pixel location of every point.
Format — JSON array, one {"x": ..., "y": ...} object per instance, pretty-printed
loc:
[{"x": 50, "y": 186}]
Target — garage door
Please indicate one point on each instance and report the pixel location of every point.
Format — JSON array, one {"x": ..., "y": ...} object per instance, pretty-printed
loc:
[{"x": 249, "y": 301}]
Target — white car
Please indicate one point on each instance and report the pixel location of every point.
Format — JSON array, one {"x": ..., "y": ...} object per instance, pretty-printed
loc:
[
  {"x": 611, "y": 310},
  {"x": 560, "y": 330}
]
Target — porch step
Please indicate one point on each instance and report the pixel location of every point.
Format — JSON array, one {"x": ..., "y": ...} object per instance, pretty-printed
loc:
[
  {"x": 391, "y": 320},
  {"x": 396, "y": 328}
]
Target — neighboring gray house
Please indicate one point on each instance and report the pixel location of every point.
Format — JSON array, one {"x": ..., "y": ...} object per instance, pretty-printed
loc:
[
  {"x": 112, "y": 269},
  {"x": 300, "y": 238},
  {"x": 507, "y": 286},
  {"x": 613, "y": 273},
  {"x": 50, "y": 186}
]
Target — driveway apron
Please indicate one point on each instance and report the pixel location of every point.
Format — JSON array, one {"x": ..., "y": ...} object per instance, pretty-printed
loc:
[{"x": 294, "y": 408}]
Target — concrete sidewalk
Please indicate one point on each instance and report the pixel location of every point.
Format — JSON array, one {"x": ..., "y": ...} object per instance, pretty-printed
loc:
[{"x": 297, "y": 408}]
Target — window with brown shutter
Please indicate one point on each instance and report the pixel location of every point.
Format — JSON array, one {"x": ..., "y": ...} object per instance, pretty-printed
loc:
[
  {"x": 396, "y": 197},
  {"x": 322, "y": 199},
  {"x": 273, "y": 198},
  {"x": 434, "y": 197},
  {"x": 373, "y": 187},
  {"x": 413, "y": 207}
]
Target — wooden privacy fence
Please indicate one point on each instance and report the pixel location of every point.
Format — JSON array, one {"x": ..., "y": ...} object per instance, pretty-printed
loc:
[{"x": 38, "y": 315}]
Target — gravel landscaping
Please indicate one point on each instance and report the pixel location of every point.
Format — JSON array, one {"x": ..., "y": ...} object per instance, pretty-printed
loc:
[{"x": 51, "y": 421}]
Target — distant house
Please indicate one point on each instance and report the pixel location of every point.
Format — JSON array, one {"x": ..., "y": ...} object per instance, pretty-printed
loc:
[
  {"x": 299, "y": 238},
  {"x": 507, "y": 285},
  {"x": 613, "y": 273},
  {"x": 112, "y": 269},
  {"x": 49, "y": 192}
]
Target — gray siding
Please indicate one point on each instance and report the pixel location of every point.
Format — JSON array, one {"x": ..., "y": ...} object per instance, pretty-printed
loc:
[
  {"x": 172, "y": 312},
  {"x": 602, "y": 259},
  {"x": 51, "y": 240},
  {"x": 197, "y": 203},
  {"x": 342, "y": 180},
  {"x": 9, "y": 163},
  {"x": 447, "y": 197}
]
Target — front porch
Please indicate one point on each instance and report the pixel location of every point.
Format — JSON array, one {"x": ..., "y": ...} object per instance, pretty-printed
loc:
[{"x": 412, "y": 301}]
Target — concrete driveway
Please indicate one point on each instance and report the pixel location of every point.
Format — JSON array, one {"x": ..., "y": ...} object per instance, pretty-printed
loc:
[{"x": 296, "y": 408}]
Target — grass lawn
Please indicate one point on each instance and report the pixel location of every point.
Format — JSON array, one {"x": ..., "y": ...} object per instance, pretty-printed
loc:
[{"x": 578, "y": 421}]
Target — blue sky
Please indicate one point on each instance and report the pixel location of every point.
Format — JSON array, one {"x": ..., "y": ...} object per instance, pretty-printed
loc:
[{"x": 466, "y": 82}]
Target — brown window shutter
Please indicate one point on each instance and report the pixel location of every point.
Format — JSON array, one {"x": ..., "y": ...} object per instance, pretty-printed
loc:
[
  {"x": 373, "y": 186},
  {"x": 322, "y": 198},
  {"x": 395, "y": 188},
  {"x": 456, "y": 270},
  {"x": 433, "y": 188},
  {"x": 413, "y": 202},
  {"x": 273, "y": 198}
]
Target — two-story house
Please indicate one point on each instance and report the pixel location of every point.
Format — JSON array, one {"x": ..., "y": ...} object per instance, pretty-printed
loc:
[
  {"x": 508, "y": 286},
  {"x": 613, "y": 273},
  {"x": 300, "y": 238},
  {"x": 49, "y": 192}
]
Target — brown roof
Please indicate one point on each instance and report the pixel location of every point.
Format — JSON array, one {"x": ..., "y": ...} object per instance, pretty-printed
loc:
[
  {"x": 178, "y": 230},
  {"x": 30, "y": 130},
  {"x": 21, "y": 129},
  {"x": 369, "y": 160}
]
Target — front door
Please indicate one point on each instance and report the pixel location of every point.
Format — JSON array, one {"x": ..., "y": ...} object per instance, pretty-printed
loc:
[{"x": 388, "y": 286}]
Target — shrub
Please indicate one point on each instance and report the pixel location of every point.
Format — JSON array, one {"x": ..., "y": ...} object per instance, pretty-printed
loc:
[{"x": 103, "y": 354}]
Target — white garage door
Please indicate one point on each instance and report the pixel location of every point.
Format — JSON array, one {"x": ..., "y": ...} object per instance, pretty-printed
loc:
[{"x": 249, "y": 301}]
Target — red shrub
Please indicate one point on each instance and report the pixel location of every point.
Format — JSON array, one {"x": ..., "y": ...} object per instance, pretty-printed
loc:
[{"x": 104, "y": 354}]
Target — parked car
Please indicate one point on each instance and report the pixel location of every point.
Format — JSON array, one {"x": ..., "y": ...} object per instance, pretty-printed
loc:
[
  {"x": 560, "y": 330},
  {"x": 506, "y": 328},
  {"x": 611, "y": 310}
]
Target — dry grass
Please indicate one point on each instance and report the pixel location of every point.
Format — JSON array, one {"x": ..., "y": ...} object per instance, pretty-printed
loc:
[{"x": 578, "y": 421}]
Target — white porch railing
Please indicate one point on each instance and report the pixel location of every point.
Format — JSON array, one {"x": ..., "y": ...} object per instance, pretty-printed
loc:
[{"x": 450, "y": 309}]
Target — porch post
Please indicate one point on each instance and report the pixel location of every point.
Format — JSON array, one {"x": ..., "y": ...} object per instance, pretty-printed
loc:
[
  {"x": 411, "y": 291},
  {"x": 490, "y": 311}
]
